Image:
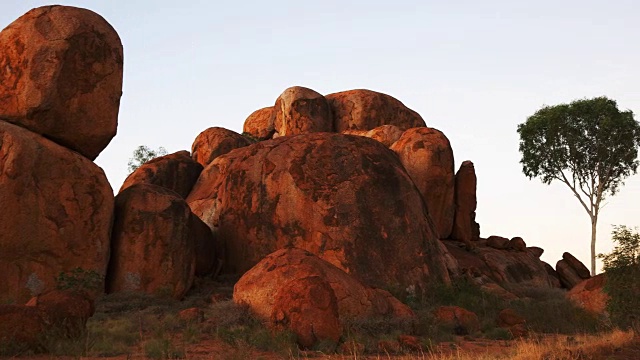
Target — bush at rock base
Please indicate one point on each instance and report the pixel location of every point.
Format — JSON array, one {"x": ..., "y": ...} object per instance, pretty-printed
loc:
[{"x": 622, "y": 269}]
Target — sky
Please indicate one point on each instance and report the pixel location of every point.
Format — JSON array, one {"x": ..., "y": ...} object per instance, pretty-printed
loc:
[{"x": 472, "y": 69}]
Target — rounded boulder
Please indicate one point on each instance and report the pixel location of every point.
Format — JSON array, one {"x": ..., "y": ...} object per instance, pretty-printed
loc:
[
  {"x": 344, "y": 198},
  {"x": 176, "y": 172},
  {"x": 365, "y": 110},
  {"x": 153, "y": 249},
  {"x": 216, "y": 141},
  {"x": 299, "y": 110},
  {"x": 62, "y": 77},
  {"x": 58, "y": 208},
  {"x": 427, "y": 155}
]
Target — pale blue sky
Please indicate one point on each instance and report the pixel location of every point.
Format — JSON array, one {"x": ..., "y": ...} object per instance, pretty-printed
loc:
[{"x": 472, "y": 69}]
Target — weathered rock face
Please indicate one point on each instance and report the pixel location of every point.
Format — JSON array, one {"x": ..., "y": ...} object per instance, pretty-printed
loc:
[
  {"x": 216, "y": 141},
  {"x": 176, "y": 172},
  {"x": 258, "y": 287},
  {"x": 261, "y": 123},
  {"x": 366, "y": 110},
  {"x": 567, "y": 275},
  {"x": 59, "y": 209},
  {"x": 57, "y": 313},
  {"x": 345, "y": 198},
  {"x": 576, "y": 265},
  {"x": 62, "y": 77},
  {"x": 485, "y": 264},
  {"x": 153, "y": 249},
  {"x": 426, "y": 154},
  {"x": 571, "y": 271},
  {"x": 385, "y": 134},
  {"x": 590, "y": 295},
  {"x": 299, "y": 110},
  {"x": 465, "y": 204},
  {"x": 309, "y": 308},
  {"x": 461, "y": 320}
]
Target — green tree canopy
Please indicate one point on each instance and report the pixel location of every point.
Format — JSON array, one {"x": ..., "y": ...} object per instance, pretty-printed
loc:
[
  {"x": 589, "y": 145},
  {"x": 142, "y": 154}
]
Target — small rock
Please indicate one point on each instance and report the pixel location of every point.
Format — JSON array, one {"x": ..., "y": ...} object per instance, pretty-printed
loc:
[
  {"x": 517, "y": 244},
  {"x": 409, "y": 342},
  {"x": 536, "y": 251},
  {"x": 508, "y": 317},
  {"x": 194, "y": 315},
  {"x": 497, "y": 242},
  {"x": 461, "y": 320}
]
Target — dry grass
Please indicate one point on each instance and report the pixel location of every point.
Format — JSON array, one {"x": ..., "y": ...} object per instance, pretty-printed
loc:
[{"x": 551, "y": 347}]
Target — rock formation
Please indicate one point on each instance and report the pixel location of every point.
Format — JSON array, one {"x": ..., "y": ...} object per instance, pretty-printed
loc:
[
  {"x": 153, "y": 246},
  {"x": 427, "y": 156},
  {"x": 258, "y": 287},
  {"x": 308, "y": 307},
  {"x": 299, "y": 110},
  {"x": 385, "y": 134},
  {"x": 216, "y": 141},
  {"x": 464, "y": 224},
  {"x": 460, "y": 320},
  {"x": 487, "y": 264},
  {"x": 571, "y": 271},
  {"x": 176, "y": 172},
  {"x": 56, "y": 314},
  {"x": 345, "y": 198},
  {"x": 261, "y": 123},
  {"x": 589, "y": 294},
  {"x": 62, "y": 77},
  {"x": 366, "y": 110},
  {"x": 61, "y": 209}
]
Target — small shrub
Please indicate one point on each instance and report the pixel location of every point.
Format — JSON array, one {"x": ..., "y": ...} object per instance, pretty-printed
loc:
[
  {"x": 497, "y": 333},
  {"x": 162, "y": 348},
  {"x": 80, "y": 280}
]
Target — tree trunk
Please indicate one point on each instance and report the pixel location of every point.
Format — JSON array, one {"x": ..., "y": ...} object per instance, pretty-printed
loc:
[{"x": 594, "y": 222}]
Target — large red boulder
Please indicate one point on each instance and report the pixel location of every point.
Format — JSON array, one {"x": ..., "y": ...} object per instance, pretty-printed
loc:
[
  {"x": 258, "y": 287},
  {"x": 427, "y": 155},
  {"x": 344, "y": 198},
  {"x": 216, "y": 141},
  {"x": 299, "y": 110},
  {"x": 47, "y": 318},
  {"x": 62, "y": 77},
  {"x": 308, "y": 307},
  {"x": 465, "y": 204},
  {"x": 260, "y": 124},
  {"x": 366, "y": 110},
  {"x": 589, "y": 294},
  {"x": 58, "y": 209},
  {"x": 176, "y": 172},
  {"x": 385, "y": 134},
  {"x": 152, "y": 247}
]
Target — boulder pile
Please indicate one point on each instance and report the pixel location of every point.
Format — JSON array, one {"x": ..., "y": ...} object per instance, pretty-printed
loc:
[{"x": 323, "y": 207}]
